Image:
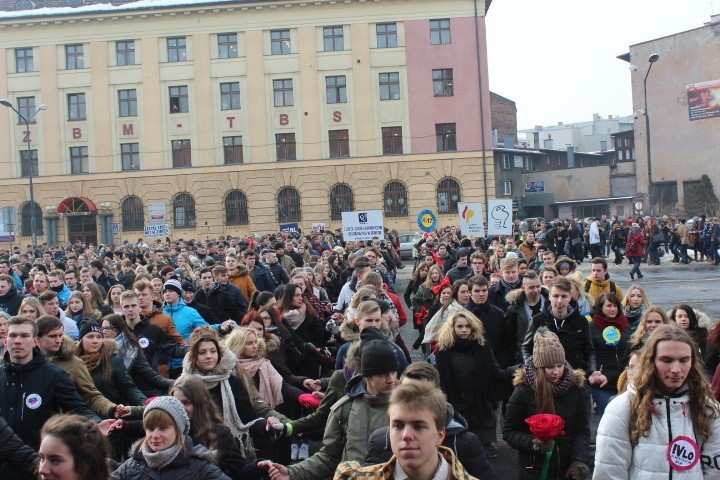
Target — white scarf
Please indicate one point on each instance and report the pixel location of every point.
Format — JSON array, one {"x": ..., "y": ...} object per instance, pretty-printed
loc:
[{"x": 219, "y": 376}]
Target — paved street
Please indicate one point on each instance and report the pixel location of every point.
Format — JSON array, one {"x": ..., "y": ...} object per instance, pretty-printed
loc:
[{"x": 667, "y": 285}]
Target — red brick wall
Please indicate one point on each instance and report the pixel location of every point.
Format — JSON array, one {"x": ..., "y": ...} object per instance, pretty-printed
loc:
[{"x": 503, "y": 116}]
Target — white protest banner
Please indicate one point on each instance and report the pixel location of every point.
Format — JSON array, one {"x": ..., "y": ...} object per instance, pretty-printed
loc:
[
  {"x": 471, "y": 219},
  {"x": 154, "y": 231},
  {"x": 359, "y": 226},
  {"x": 500, "y": 221},
  {"x": 319, "y": 226},
  {"x": 157, "y": 214}
]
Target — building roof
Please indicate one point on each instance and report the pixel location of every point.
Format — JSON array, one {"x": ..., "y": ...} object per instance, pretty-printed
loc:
[
  {"x": 517, "y": 150},
  {"x": 127, "y": 7},
  {"x": 606, "y": 199},
  {"x": 589, "y": 123}
]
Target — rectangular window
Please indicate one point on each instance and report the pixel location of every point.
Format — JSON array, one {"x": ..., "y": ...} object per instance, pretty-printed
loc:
[
  {"x": 440, "y": 32},
  {"x": 445, "y": 137},
  {"x": 125, "y": 52},
  {"x": 79, "y": 160},
  {"x": 392, "y": 140},
  {"x": 127, "y": 100},
  {"x": 386, "y": 35},
  {"x": 181, "y": 154},
  {"x": 506, "y": 161},
  {"x": 283, "y": 92},
  {"x": 24, "y": 60},
  {"x": 130, "y": 154},
  {"x": 507, "y": 188},
  {"x": 665, "y": 193},
  {"x": 74, "y": 57},
  {"x": 335, "y": 89},
  {"x": 177, "y": 49},
  {"x": 285, "y": 146},
  {"x": 280, "y": 42},
  {"x": 233, "y": 150},
  {"x": 230, "y": 96},
  {"x": 76, "y": 106},
  {"x": 333, "y": 39},
  {"x": 26, "y": 107},
  {"x": 179, "y": 99},
  {"x": 443, "y": 82},
  {"x": 390, "y": 86},
  {"x": 25, "y": 164},
  {"x": 339, "y": 143},
  {"x": 227, "y": 45}
]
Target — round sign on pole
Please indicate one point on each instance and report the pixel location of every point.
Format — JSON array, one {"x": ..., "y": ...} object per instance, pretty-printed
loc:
[{"x": 427, "y": 221}]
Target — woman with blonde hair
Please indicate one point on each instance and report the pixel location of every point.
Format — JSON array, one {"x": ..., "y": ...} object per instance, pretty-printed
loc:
[
  {"x": 653, "y": 317},
  {"x": 547, "y": 384},
  {"x": 496, "y": 258},
  {"x": 452, "y": 298},
  {"x": 468, "y": 370},
  {"x": 31, "y": 308},
  {"x": 635, "y": 302},
  {"x": 667, "y": 423},
  {"x": 424, "y": 300},
  {"x": 80, "y": 310},
  {"x": 583, "y": 300}
]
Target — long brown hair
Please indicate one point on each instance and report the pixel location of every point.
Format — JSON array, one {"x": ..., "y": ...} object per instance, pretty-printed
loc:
[
  {"x": 702, "y": 407},
  {"x": 106, "y": 351},
  {"x": 544, "y": 395},
  {"x": 204, "y": 415}
]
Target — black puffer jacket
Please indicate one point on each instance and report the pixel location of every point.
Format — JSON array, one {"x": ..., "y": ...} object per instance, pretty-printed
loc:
[
  {"x": 10, "y": 302},
  {"x": 573, "y": 332},
  {"x": 220, "y": 303},
  {"x": 470, "y": 377},
  {"x": 466, "y": 446},
  {"x": 572, "y": 403},
  {"x": 193, "y": 463},
  {"x": 611, "y": 356},
  {"x": 31, "y": 393},
  {"x": 15, "y": 452}
]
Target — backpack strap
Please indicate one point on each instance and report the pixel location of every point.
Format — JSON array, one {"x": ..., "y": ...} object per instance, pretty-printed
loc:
[{"x": 588, "y": 284}]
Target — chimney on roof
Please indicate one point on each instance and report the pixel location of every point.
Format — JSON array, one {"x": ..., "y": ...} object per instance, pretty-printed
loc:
[
  {"x": 495, "y": 137},
  {"x": 570, "y": 156},
  {"x": 509, "y": 141},
  {"x": 596, "y": 117},
  {"x": 715, "y": 18},
  {"x": 538, "y": 128}
]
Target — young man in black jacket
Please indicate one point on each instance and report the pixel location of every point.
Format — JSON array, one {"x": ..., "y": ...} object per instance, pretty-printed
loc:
[{"x": 33, "y": 389}]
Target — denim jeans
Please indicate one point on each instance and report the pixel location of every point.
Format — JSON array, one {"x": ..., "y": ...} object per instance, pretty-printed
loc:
[
  {"x": 636, "y": 265},
  {"x": 601, "y": 398}
]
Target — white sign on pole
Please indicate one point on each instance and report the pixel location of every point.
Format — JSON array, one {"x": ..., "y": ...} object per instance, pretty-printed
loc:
[
  {"x": 154, "y": 231},
  {"x": 471, "y": 219},
  {"x": 359, "y": 226},
  {"x": 500, "y": 221},
  {"x": 157, "y": 214},
  {"x": 319, "y": 226}
]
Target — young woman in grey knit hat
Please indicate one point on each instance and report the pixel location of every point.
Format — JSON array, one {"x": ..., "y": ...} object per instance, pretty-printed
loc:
[{"x": 547, "y": 384}]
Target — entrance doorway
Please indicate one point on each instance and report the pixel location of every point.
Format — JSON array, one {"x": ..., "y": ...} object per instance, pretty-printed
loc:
[{"x": 81, "y": 216}]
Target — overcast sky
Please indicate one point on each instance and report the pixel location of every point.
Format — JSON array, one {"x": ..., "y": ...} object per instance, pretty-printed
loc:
[{"x": 556, "y": 58}]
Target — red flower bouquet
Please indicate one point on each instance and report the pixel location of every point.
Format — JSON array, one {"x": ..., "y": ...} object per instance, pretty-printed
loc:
[{"x": 546, "y": 426}]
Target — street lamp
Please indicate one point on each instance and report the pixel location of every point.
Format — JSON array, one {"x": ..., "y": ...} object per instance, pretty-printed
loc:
[
  {"x": 651, "y": 187},
  {"x": 6, "y": 103}
]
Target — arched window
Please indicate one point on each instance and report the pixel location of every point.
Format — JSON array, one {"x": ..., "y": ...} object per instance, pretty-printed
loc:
[
  {"x": 184, "y": 211},
  {"x": 395, "y": 200},
  {"x": 131, "y": 211},
  {"x": 288, "y": 204},
  {"x": 341, "y": 200},
  {"x": 448, "y": 195},
  {"x": 236, "y": 208},
  {"x": 31, "y": 212}
]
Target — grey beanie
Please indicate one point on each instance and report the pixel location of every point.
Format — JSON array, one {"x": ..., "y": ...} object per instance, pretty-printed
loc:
[{"x": 172, "y": 407}]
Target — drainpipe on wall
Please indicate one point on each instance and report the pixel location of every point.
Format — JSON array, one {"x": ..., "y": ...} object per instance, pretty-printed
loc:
[{"x": 482, "y": 109}]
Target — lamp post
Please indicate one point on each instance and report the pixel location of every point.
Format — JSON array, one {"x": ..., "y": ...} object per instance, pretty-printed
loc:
[
  {"x": 651, "y": 187},
  {"x": 6, "y": 103}
]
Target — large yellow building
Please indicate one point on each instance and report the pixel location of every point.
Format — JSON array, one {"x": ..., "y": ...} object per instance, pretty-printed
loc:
[{"x": 241, "y": 116}]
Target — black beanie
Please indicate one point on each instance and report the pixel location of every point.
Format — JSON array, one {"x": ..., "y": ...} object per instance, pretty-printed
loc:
[
  {"x": 90, "y": 327},
  {"x": 377, "y": 357},
  {"x": 371, "y": 333}
]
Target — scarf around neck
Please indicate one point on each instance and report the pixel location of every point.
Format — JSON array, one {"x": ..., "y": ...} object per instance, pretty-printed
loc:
[
  {"x": 92, "y": 361},
  {"x": 270, "y": 381},
  {"x": 634, "y": 313},
  {"x": 126, "y": 350},
  {"x": 219, "y": 376},
  {"x": 560, "y": 387},
  {"x": 161, "y": 459},
  {"x": 620, "y": 322}
]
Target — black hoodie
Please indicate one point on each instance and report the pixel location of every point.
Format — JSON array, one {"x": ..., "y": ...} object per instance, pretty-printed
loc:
[{"x": 10, "y": 302}]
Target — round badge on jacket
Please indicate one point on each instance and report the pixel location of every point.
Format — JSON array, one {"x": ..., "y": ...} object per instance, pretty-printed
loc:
[
  {"x": 144, "y": 342},
  {"x": 611, "y": 335},
  {"x": 33, "y": 401},
  {"x": 683, "y": 453}
]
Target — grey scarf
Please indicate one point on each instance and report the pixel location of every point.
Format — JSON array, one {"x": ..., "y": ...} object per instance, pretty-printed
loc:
[{"x": 158, "y": 460}]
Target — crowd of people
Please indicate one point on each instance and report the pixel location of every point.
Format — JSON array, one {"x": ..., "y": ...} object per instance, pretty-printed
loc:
[{"x": 280, "y": 356}]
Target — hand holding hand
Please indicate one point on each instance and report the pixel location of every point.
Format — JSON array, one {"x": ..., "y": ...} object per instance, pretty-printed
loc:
[{"x": 121, "y": 411}]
